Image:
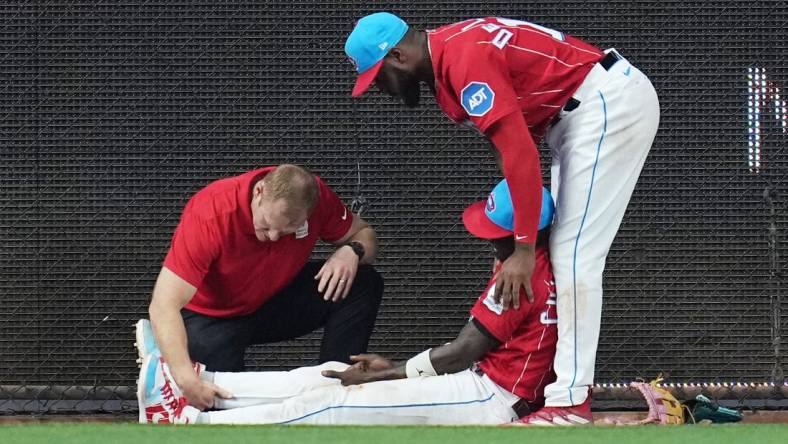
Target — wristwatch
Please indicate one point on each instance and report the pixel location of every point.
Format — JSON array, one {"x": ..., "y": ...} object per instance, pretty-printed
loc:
[{"x": 358, "y": 248}]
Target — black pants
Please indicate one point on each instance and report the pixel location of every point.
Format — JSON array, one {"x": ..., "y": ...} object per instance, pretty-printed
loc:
[{"x": 298, "y": 309}]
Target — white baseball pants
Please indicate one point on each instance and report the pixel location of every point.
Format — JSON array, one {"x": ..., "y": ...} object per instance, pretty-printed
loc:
[
  {"x": 598, "y": 151},
  {"x": 304, "y": 396}
]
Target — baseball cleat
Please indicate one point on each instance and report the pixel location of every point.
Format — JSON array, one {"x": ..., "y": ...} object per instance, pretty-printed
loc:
[
  {"x": 560, "y": 416},
  {"x": 145, "y": 341},
  {"x": 160, "y": 400},
  {"x": 146, "y": 344}
]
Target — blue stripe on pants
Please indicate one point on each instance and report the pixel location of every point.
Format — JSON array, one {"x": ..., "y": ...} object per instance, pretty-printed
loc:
[
  {"x": 577, "y": 242},
  {"x": 473, "y": 401}
]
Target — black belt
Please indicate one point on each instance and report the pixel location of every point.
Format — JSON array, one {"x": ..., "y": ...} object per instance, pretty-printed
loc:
[
  {"x": 522, "y": 407},
  {"x": 606, "y": 62},
  {"x": 609, "y": 60}
]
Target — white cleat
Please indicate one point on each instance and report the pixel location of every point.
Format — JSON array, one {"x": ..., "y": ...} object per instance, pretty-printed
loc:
[
  {"x": 160, "y": 399},
  {"x": 145, "y": 340}
]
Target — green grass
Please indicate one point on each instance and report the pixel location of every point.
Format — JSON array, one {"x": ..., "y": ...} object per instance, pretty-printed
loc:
[{"x": 86, "y": 433}]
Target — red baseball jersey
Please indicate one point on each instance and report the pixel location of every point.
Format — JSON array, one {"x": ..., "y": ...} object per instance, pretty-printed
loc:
[
  {"x": 490, "y": 68},
  {"x": 214, "y": 247},
  {"x": 487, "y": 68},
  {"x": 523, "y": 363}
]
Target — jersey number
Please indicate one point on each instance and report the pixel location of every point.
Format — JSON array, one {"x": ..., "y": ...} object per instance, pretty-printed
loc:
[
  {"x": 504, "y": 35},
  {"x": 502, "y": 38},
  {"x": 558, "y": 35}
]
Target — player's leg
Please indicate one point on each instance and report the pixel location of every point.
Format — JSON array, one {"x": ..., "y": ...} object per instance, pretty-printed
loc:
[
  {"x": 350, "y": 322},
  {"x": 160, "y": 398},
  {"x": 461, "y": 398},
  {"x": 300, "y": 309},
  {"x": 601, "y": 148},
  {"x": 255, "y": 388}
]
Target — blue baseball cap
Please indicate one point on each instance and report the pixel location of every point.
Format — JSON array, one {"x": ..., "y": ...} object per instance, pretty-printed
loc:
[
  {"x": 369, "y": 42},
  {"x": 494, "y": 218}
]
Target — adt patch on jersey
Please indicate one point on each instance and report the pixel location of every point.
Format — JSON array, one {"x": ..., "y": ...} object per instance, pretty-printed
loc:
[{"x": 477, "y": 98}]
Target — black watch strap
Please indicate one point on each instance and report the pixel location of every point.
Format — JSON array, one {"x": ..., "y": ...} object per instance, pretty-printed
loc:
[{"x": 358, "y": 248}]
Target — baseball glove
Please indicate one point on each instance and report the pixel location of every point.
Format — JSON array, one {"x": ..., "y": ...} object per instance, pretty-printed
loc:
[{"x": 663, "y": 408}]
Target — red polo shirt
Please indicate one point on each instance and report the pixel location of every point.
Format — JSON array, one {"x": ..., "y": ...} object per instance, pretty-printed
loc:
[{"x": 214, "y": 247}]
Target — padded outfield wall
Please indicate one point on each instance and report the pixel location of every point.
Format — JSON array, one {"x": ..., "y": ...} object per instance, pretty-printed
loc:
[{"x": 112, "y": 116}]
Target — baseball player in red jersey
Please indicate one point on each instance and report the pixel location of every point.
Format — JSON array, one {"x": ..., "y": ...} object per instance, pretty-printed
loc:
[
  {"x": 517, "y": 82},
  {"x": 494, "y": 371}
]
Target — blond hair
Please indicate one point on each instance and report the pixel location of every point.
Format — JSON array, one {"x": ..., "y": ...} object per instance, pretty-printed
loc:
[{"x": 293, "y": 184}]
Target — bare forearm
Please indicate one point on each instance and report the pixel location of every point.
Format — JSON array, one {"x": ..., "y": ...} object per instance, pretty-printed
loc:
[
  {"x": 470, "y": 346},
  {"x": 450, "y": 358},
  {"x": 445, "y": 359},
  {"x": 522, "y": 247},
  {"x": 170, "y": 332}
]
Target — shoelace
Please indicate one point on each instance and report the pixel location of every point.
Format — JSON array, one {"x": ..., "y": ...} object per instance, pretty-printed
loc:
[
  {"x": 181, "y": 405},
  {"x": 172, "y": 403}
]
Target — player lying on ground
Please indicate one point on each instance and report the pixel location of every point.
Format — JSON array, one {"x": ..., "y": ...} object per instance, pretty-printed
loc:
[{"x": 492, "y": 373}]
